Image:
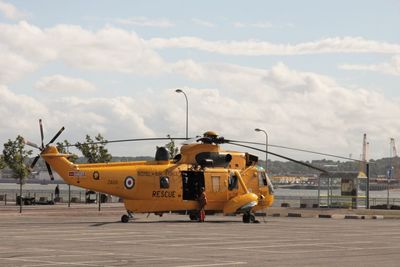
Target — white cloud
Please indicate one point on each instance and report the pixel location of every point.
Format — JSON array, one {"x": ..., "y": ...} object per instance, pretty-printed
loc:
[
  {"x": 113, "y": 49},
  {"x": 28, "y": 41},
  {"x": 297, "y": 108},
  {"x": 23, "y": 48},
  {"x": 204, "y": 23},
  {"x": 17, "y": 112},
  {"x": 258, "y": 48},
  {"x": 13, "y": 66},
  {"x": 239, "y": 24},
  {"x": 145, "y": 22},
  {"x": 61, "y": 83},
  {"x": 109, "y": 49},
  {"x": 10, "y": 11},
  {"x": 391, "y": 68},
  {"x": 261, "y": 24}
]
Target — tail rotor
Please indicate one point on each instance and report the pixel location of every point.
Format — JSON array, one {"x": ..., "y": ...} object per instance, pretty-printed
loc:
[{"x": 42, "y": 147}]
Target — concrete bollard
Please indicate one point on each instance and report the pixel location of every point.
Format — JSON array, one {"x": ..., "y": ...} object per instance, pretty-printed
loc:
[
  {"x": 352, "y": 217},
  {"x": 325, "y": 216},
  {"x": 294, "y": 214}
]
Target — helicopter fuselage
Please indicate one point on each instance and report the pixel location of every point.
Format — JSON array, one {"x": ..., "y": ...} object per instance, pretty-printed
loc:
[{"x": 232, "y": 181}]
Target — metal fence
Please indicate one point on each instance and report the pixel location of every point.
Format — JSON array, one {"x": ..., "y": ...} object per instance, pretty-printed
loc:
[
  {"x": 334, "y": 202},
  {"x": 10, "y": 197}
]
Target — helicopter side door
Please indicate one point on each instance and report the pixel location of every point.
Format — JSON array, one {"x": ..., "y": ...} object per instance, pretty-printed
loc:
[
  {"x": 216, "y": 186},
  {"x": 192, "y": 182}
]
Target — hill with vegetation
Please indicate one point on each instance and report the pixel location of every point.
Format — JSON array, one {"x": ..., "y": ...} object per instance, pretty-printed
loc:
[{"x": 378, "y": 167}]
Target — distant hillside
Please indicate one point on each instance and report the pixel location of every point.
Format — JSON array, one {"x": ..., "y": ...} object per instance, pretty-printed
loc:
[{"x": 377, "y": 167}]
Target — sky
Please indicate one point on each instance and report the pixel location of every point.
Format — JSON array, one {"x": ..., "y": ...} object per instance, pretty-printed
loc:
[{"x": 314, "y": 75}]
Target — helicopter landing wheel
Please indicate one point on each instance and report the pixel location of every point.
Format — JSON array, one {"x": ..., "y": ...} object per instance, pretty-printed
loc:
[
  {"x": 249, "y": 218},
  {"x": 130, "y": 214},
  {"x": 125, "y": 218}
]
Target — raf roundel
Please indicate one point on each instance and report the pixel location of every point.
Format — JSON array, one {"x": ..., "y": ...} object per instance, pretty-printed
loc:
[{"x": 129, "y": 182}]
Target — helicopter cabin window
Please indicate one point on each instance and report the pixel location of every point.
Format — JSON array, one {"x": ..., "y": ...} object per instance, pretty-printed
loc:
[
  {"x": 164, "y": 182},
  {"x": 232, "y": 182},
  {"x": 215, "y": 183}
]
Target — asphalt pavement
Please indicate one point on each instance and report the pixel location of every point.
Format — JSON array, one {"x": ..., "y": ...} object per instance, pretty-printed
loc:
[{"x": 83, "y": 236}]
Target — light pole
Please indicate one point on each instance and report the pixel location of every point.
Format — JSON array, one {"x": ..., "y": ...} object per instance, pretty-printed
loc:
[
  {"x": 187, "y": 111},
  {"x": 266, "y": 147}
]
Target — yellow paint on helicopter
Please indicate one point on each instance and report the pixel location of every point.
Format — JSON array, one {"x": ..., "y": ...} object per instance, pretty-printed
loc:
[{"x": 233, "y": 183}]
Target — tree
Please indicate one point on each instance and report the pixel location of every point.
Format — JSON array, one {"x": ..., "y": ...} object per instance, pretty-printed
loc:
[
  {"x": 62, "y": 147},
  {"x": 95, "y": 151},
  {"x": 172, "y": 149},
  {"x": 15, "y": 156},
  {"x": 2, "y": 163}
]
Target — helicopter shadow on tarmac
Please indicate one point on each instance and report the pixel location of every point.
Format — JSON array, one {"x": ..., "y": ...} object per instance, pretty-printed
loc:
[{"x": 138, "y": 221}]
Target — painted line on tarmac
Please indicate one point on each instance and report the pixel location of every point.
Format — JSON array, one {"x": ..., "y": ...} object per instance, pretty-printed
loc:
[
  {"x": 94, "y": 263},
  {"x": 218, "y": 244},
  {"x": 213, "y": 243},
  {"x": 158, "y": 259},
  {"x": 390, "y": 234},
  {"x": 56, "y": 263},
  {"x": 215, "y": 264},
  {"x": 65, "y": 255},
  {"x": 137, "y": 241},
  {"x": 105, "y": 236},
  {"x": 304, "y": 244},
  {"x": 241, "y": 242},
  {"x": 303, "y": 251}
]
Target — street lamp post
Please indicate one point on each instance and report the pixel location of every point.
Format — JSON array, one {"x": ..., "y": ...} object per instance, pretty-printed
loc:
[
  {"x": 187, "y": 111},
  {"x": 266, "y": 147}
]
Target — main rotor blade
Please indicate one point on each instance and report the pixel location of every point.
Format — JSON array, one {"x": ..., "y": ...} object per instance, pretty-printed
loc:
[
  {"x": 191, "y": 140},
  {"x": 129, "y": 140},
  {"x": 34, "y": 161},
  {"x": 41, "y": 132},
  {"x": 296, "y": 149},
  {"x": 244, "y": 142},
  {"x": 57, "y": 135},
  {"x": 50, "y": 171},
  {"x": 314, "y": 152},
  {"x": 277, "y": 155}
]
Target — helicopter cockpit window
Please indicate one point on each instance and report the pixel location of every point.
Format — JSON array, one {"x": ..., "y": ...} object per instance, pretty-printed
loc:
[
  {"x": 263, "y": 179},
  {"x": 164, "y": 182},
  {"x": 232, "y": 182}
]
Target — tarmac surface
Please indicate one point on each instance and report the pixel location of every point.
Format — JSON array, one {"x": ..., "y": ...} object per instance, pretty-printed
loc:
[{"x": 82, "y": 236}]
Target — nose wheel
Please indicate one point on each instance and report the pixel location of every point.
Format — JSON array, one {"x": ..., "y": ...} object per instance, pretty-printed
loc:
[
  {"x": 127, "y": 217},
  {"x": 249, "y": 218}
]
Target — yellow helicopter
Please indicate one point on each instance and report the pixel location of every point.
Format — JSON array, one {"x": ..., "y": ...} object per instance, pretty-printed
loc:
[{"x": 232, "y": 181}]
